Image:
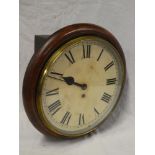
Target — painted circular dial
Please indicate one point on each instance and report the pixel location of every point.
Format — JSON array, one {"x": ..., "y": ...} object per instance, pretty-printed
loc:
[{"x": 80, "y": 85}]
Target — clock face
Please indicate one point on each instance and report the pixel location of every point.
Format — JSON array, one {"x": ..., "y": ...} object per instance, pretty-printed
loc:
[{"x": 80, "y": 85}]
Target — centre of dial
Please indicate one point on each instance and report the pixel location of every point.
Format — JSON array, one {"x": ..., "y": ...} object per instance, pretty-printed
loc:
[
  {"x": 83, "y": 95},
  {"x": 84, "y": 87}
]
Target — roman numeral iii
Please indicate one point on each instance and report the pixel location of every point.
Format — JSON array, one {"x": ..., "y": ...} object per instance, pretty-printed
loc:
[
  {"x": 52, "y": 92},
  {"x": 106, "y": 97},
  {"x": 111, "y": 81},
  {"x": 54, "y": 107},
  {"x": 66, "y": 118},
  {"x": 87, "y": 52},
  {"x": 70, "y": 57}
]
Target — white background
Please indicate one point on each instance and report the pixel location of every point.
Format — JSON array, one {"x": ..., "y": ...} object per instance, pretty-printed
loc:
[{"x": 116, "y": 135}]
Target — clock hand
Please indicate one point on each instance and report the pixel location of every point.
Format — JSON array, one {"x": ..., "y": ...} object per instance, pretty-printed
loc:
[{"x": 69, "y": 80}]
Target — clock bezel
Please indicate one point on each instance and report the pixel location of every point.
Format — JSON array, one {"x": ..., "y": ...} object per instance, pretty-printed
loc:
[{"x": 39, "y": 59}]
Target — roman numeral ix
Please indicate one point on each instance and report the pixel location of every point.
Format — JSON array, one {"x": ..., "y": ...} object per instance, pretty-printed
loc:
[
  {"x": 87, "y": 52},
  {"x": 70, "y": 57},
  {"x": 106, "y": 97},
  {"x": 111, "y": 81},
  {"x": 54, "y": 107}
]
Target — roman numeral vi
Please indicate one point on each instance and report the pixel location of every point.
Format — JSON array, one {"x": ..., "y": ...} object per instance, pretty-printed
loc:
[{"x": 81, "y": 119}]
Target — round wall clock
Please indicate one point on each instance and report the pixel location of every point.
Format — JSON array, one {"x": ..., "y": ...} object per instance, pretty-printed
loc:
[{"x": 74, "y": 81}]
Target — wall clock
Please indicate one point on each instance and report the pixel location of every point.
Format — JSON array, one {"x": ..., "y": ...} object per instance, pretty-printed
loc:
[{"x": 74, "y": 81}]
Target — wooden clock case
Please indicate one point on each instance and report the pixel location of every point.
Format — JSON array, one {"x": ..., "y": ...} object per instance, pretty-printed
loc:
[{"x": 39, "y": 59}]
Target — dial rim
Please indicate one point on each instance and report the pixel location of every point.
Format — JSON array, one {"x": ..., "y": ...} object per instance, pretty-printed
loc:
[{"x": 51, "y": 61}]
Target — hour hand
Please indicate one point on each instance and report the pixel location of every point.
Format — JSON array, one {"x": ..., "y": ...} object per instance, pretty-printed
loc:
[
  {"x": 69, "y": 80},
  {"x": 58, "y": 76}
]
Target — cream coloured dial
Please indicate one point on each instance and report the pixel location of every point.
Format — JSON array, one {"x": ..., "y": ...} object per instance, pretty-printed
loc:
[{"x": 80, "y": 85}]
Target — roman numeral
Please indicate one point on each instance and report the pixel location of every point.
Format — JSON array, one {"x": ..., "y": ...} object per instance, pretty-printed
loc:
[
  {"x": 56, "y": 76},
  {"x": 54, "y": 107},
  {"x": 55, "y": 73},
  {"x": 87, "y": 52},
  {"x": 52, "y": 92},
  {"x": 66, "y": 118},
  {"x": 96, "y": 111},
  {"x": 70, "y": 57},
  {"x": 81, "y": 119},
  {"x": 109, "y": 65},
  {"x": 100, "y": 55},
  {"x": 111, "y": 81},
  {"x": 106, "y": 97}
]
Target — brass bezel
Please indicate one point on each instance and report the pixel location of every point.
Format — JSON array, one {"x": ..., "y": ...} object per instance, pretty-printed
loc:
[{"x": 51, "y": 60}]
